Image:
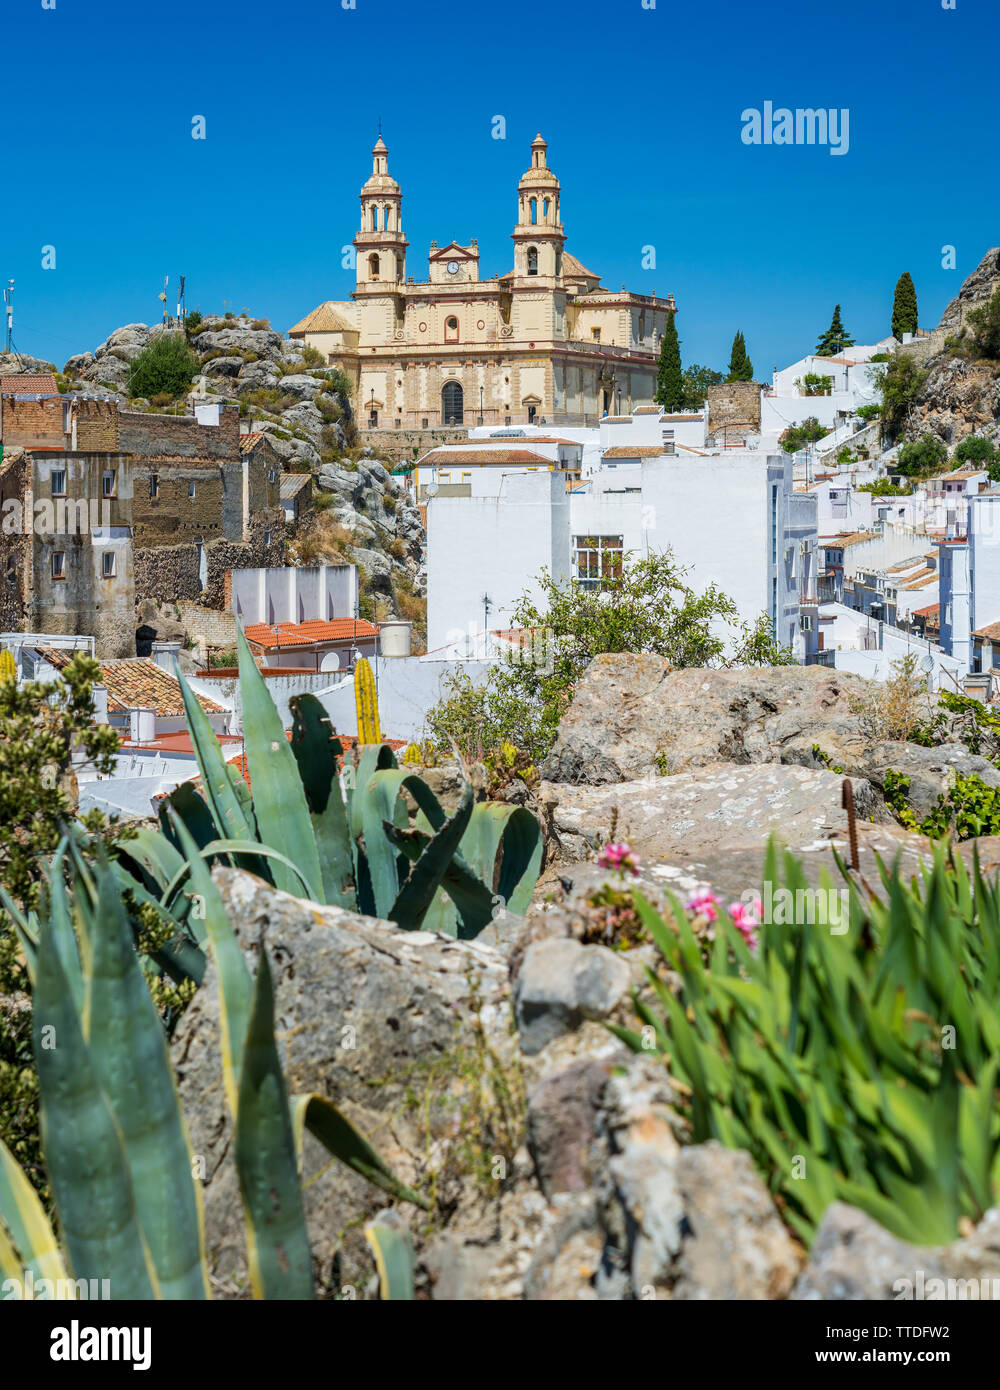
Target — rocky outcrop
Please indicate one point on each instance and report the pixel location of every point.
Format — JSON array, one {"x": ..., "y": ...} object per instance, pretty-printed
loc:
[{"x": 633, "y": 714}]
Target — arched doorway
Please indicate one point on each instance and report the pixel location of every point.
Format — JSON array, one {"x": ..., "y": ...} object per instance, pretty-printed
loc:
[{"x": 452, "y": 404}]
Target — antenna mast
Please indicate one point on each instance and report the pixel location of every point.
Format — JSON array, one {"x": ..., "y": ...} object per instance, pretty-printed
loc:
[{"x": 8, "y": 299}]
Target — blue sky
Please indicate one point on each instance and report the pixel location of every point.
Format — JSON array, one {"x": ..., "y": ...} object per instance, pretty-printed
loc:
[{"x": 641, "y": 109}]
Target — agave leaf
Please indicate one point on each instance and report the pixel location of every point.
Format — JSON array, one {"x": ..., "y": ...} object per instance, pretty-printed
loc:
[
  {"x": 216, "y": 847},
  {"x": 316, "y": 751},
  {"x": 345, "y": 1142},
  {"x": 417, "y": 893},
  {"x": 393, "y": 1260},
  {"x": 227, "y": 810},
  {"x": 235, "y": 986},
  {"x": 23, "y": 1219},
  {"x": 279, "y": 800},
  {"x": 277, "y": 1240},
  {"x": 83, "y": 1148},
  {"x": 129, "y": 1052},
  {"x": 379, "y": 802}
]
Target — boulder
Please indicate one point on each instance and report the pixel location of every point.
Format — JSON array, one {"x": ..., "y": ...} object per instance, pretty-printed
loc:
[
  {"x": 259, "y": 340},
  {"x": 561, "y": 983},
  {"x": 362, "y": 1009},
  {"x": 76, "y": 364},
  {"x": 633, "y": 713},
  {"x": 222, "y": 366},
  {"x": 307, "y": 388}
]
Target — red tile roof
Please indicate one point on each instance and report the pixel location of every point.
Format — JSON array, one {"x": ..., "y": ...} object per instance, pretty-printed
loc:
[
  {"x": 312, "y": 633},
  {"x": 441, "y": 457},
  {"x": 27, "y": 384},
  {"x": 931, "y": 611},
  {"x": 137, "y": 683}
]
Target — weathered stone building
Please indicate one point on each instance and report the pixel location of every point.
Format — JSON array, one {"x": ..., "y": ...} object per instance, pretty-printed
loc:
[{"x": 543, "y": 341}]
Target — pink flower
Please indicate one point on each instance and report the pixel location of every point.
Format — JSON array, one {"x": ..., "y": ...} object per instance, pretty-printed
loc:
[
  {"x": 745, "y": 919},
  {"x": 703, "y": 903},
  {"x": 620, "y": 857}
]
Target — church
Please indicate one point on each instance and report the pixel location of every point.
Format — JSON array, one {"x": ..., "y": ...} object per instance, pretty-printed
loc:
[{"x": 544, "y": 343}]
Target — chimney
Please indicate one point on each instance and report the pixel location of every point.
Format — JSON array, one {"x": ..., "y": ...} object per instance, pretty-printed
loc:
[
  {"x": 164, "y": 653},
  {"x": 100, "y": 694},
  {"x": 142, "y": 724}
]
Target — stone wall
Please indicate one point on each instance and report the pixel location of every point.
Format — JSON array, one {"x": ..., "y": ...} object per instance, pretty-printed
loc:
[
  {"x": 174, "y": 515},
  {"x": 173, "y": 572},
  {"x": 734, "y": 403},
  {"x": 207, "y": 625},
  {"x": 180, "y": 436},
  {"x": 406, "y": 445},
  {"x": 15, "y": 547},
  {"x": 96, "y": 425},
  {"x": 30, "y": 423}
]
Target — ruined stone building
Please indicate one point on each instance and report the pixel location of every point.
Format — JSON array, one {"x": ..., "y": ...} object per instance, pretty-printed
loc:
[
  {"x": 543, "y": 341},
  {"x": 104, "y": 509}
]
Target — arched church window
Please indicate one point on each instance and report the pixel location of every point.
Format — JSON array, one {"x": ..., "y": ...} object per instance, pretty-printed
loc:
[
  {"x": 452, "y": 404},
  {"x": 532, "y": 260},
  {"x": 373, "y": 266},
  {"x": 545, "y": 209},
  {"x": 451, "y": 330}
]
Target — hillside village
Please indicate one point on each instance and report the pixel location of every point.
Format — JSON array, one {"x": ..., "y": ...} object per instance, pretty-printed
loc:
[{"x": 463, "y": 669}]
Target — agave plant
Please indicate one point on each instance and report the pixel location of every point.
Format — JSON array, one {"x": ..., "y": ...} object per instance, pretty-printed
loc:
[
  {"x": 859, "y": 1067},
  {"x": 334, "y": 833},
  {"x": 115, "y": 1143}
]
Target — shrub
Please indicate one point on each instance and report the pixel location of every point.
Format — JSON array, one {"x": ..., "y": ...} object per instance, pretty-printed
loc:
[
  {"x": 311, "y": 357},
  {"x": 921, "y": 456},
  {"x": 260, "y": 324},
  {"x": 165, "y": 366},
  {"x": 868, "y": 412},
  {"x": 975, "y": 449},
  {"x": 882, "y": 487},
  {"x": 892, "y": 710},
  {"x": 192, "y": 324},
  {"x": 798, "y": 436}
]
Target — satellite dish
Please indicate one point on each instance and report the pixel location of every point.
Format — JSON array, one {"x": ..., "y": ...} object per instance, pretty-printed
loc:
[{"x": 927, "y": 663}]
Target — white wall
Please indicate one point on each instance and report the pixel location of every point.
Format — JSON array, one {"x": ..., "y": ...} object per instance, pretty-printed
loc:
[{"x": 289, "y": 595}]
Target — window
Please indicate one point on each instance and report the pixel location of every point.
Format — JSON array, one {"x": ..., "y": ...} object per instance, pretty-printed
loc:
[
  {"x": 806, "y": 622},
  {"x": 58, "y": 564},
  {"x": 108, "y": 564},
  {"x": 154, "y": 485},
  {"x": 451, "y": 330},
  {"x": 452, "y": 403},
  {"x": 191, "y": 489},
  {"x": 466, "y": 477},
  {"x": 373, "y": 266},
  {"x": 595, "y": 333},
  {"x": 596, "y": 559},
  {"x": 58, "y": 482},
  {"x": 108, "y": 484},
  {"x": 271, "y": 475},
  {"x": 444, "y": 477},
  {"x": 532, "y": 260}
]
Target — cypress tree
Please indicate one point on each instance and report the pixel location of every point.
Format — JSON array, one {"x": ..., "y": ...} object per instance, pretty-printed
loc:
[
  {"x": 740, "y": 366},
  {"x": 669, "y": 379},
  {"x": 904, "y": 306},
  {"x": 835, "y": 339}
]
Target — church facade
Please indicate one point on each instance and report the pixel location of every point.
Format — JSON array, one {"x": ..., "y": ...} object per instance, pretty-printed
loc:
[{"x": 543, "y": 343}]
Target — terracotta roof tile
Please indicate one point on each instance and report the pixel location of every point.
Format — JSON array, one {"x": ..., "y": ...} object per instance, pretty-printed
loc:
[
  {"x": 315, "y": 632},
  {"x": 991, "y": 632},
  {"x": 323, "y": 319},
  {"x": 441, "y": 457},
  {"x": 634, "y": 451},
  {"x": 28, "y": 384},
  {"x": 137, "y": 683}
]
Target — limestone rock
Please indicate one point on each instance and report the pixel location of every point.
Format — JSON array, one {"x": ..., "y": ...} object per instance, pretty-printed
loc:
[
  {"x": 560, "y": 983},
  {"x": 223, "y": 366},
  {"x": 633, "y": 713}
]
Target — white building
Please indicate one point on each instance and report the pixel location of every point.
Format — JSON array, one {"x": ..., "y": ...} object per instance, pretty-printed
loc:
[
  {"x": 829, "y": 389},
  {"x": 970, "y": 578},
  {"x": 730, "y": 519}
]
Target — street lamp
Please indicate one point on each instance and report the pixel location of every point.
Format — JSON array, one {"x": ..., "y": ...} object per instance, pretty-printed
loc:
[{"x": 480, "y": 405}]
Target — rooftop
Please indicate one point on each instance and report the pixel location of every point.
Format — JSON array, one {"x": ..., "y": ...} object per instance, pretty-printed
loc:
[
  {"x": 315, "y": 632},
  {"x": 136, "y": 682},
  {"x": 29, "y": 384}
]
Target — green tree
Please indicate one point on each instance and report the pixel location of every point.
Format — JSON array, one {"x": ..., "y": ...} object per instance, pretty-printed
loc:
[
  {"x": 904, "y": 306},
  {"x": 669, "y": 381},
  {"x": 921, "y": 456},
  {"x": 900, "y": 386},
  {"x": 740, "y": 366},
  {"x": 975, "y": 449},
  {"x": 164, "y": 367},
  {"x": 835, "y": 339},
  {"x": 642, "y": 605},
  {"x": 697, "y": 380}
]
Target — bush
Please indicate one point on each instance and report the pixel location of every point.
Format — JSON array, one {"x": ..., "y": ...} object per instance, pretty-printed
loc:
[
  {"x": 260, "y": 324},
  {"x": 892, "y": 710},
  {"x": 798, "y": 436},
  {"x": 884, "y": 488},
  {"x": 921, "y": 456},
  {"x": 868, "y": 412},
  {"x": 192, "y": 324},
  {"x": 975, "y": 449},
  {"x": 165, "y": 366}
]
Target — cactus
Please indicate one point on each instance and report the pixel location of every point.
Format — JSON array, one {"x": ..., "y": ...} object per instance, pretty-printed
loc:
[
  {"x": 413, "y": 755},
  {"x": 366, "y": 700},
  {"x": 8, "y": 671},
  {"x": 116, "y": 1148}
]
